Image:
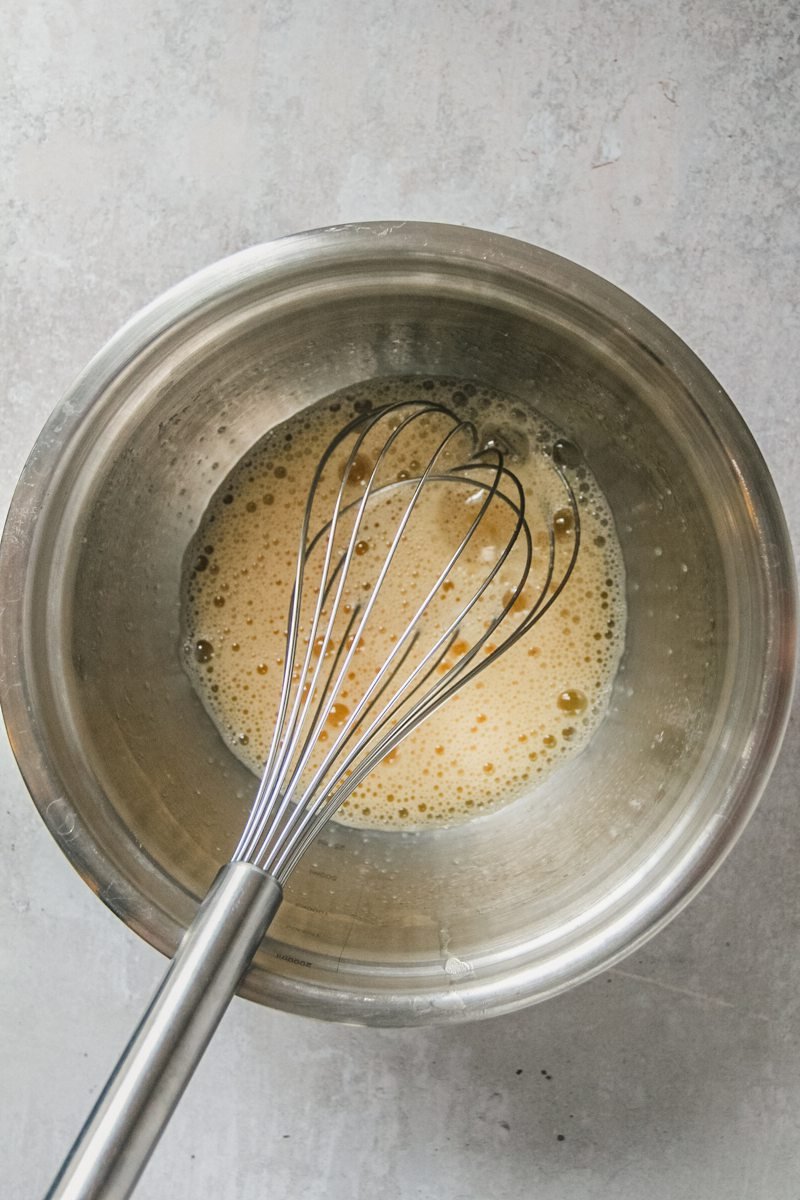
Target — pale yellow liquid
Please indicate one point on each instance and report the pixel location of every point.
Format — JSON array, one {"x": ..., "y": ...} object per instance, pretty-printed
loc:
[{"x": 507, "y": 730}]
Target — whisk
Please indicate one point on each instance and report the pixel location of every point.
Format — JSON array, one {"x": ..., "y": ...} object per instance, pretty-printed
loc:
[{"x": 390, "y": 481}]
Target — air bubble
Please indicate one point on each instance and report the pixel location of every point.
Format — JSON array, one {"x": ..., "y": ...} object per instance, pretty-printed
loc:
[
  {"x": 566, "y": 453},
  {"x": 203, "y": 651},
  {"x": 572, "y": 700}
]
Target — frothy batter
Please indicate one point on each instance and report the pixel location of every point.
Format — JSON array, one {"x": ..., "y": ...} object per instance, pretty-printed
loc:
[{"x": 505, "y": 731}]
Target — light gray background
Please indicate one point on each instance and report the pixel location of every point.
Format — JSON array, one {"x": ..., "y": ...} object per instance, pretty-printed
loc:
[{"x": 657, "y": 143}]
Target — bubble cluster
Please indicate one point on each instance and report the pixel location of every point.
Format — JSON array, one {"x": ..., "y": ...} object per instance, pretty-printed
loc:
[{"x": 503, "y": 733}]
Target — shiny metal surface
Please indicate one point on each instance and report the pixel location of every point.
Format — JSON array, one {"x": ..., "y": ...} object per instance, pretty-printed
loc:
[
  {"x": 118, "y": 753},
  {"x": 130, "y": 1114},
  {"x": 297, "y": 795}
]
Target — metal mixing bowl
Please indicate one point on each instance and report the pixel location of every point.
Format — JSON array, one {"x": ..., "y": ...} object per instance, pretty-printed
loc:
[{"x": 141, "y": 792}]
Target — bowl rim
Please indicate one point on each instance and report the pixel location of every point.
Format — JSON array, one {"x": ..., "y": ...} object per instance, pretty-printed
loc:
[{"x": 359, "y": 242}]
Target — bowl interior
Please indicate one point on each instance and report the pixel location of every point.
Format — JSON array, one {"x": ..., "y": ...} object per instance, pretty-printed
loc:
[{"x": 381, "y": 926}]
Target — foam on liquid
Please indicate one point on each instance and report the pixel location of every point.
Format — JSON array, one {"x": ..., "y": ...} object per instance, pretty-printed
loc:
[{"x": 507, "y": 730}]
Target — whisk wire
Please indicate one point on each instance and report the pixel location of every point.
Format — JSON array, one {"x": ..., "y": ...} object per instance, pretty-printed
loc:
[
  {"x": 290, "y": 809},
  {"x": 379, "y": 686},
  {"x": 268, "y": 785},
  {"x": 282, "y": 743},
  {"x": 375, "y": 589},
  {"x": 290, "y": 762},
  {"x": 308, "y": 811}
]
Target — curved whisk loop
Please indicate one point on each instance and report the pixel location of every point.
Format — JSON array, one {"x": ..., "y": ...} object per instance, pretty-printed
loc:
[
  {"x": 294, "y": 706},
  {"x": 307, "y": 774}
]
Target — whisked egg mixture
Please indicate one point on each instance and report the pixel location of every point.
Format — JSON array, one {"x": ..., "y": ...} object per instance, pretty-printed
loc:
[{"x": 506, "y": 730}]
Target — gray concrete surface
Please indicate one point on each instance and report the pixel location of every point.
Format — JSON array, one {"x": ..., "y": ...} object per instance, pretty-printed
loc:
[{"x": 655, "y": 143}]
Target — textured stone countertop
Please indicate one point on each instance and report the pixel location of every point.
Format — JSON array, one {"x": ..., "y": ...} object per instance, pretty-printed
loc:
[{"x": 657, "y": 144}]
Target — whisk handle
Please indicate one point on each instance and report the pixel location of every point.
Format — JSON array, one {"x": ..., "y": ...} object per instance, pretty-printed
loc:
[{"x": 122, "y": 1130}]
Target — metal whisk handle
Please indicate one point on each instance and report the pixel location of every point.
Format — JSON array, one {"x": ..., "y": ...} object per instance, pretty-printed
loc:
[{"x": 114, "y": 1145}]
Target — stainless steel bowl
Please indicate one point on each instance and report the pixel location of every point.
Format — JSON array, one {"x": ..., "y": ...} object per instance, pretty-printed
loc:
[{"x": 132, "y": 778}]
